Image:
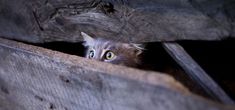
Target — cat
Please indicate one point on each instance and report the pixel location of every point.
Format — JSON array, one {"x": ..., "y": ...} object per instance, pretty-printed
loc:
[{"x": 126, "y": 54}]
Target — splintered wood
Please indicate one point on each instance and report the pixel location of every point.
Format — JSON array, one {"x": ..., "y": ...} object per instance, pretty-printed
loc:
[{"x": 124, "y": 20}]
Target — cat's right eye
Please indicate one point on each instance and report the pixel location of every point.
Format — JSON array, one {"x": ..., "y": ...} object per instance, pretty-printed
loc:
[
  {"x": 91, "y": 53},
  {"x": 109, "y": 55}
]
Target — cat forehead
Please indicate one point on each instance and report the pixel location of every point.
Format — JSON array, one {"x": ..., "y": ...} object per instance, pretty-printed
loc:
[
  {"x": 104, "y": 44},
  {"x": 112, "y": 45}
]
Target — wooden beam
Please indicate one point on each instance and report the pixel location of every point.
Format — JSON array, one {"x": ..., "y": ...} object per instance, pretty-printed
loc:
[
  {"x": 194, "y": 70},
  {"x": 123, "y": 20},
  {"x": 33, "y": 78}
]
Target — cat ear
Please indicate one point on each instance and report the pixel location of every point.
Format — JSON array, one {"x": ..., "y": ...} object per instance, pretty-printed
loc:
[
  {"x": 88, "y": 40},
  {"x": 139, "y": 48}
]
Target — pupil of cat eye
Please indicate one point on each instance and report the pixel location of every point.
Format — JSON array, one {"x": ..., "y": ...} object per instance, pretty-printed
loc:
[{"x": 91, "y": 54}]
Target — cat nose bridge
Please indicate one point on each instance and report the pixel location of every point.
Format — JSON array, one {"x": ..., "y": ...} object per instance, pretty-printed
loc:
[
  {"x": 98, "y": 57},
  {"x": 101, "y": 58}
]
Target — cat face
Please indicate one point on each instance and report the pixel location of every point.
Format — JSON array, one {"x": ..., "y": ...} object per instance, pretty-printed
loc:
[{"x": 112, "y": 52}]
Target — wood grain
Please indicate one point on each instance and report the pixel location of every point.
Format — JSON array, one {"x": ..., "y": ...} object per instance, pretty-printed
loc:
[
  {"x": 33, "y": 78},
  {"x": 197, "y": 73},
  {"x": 123, "y": 20}
]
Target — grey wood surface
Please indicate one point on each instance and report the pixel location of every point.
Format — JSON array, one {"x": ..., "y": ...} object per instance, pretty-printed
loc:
[
  {"x": 196, "y": 73},
  {"x": 33, "y": 78},
  {"x": 124, "y": 20}
]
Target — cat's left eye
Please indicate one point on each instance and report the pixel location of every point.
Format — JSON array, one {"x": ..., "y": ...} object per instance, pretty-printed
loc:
[
  {"x": 109, "y": 55},
  {"x": 91, "y": 53}
]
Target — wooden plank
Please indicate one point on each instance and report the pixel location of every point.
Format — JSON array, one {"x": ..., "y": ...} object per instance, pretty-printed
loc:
[
  {"x": 196, "y": 72},
  {"x": 123, "y": 20},
  {"x": 33, "y": 78}
]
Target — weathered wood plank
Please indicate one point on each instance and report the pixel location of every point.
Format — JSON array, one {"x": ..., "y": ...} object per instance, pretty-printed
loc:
[
  {"x": 124, "y": 20},
  {"x": 196, "y": 72},
  {"x": 33, "y": 78}
]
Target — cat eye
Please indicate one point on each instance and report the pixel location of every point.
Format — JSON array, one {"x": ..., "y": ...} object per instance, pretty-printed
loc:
[
  {"x": 109, "y": 55},
  {"x": 91, "y": 53}
]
